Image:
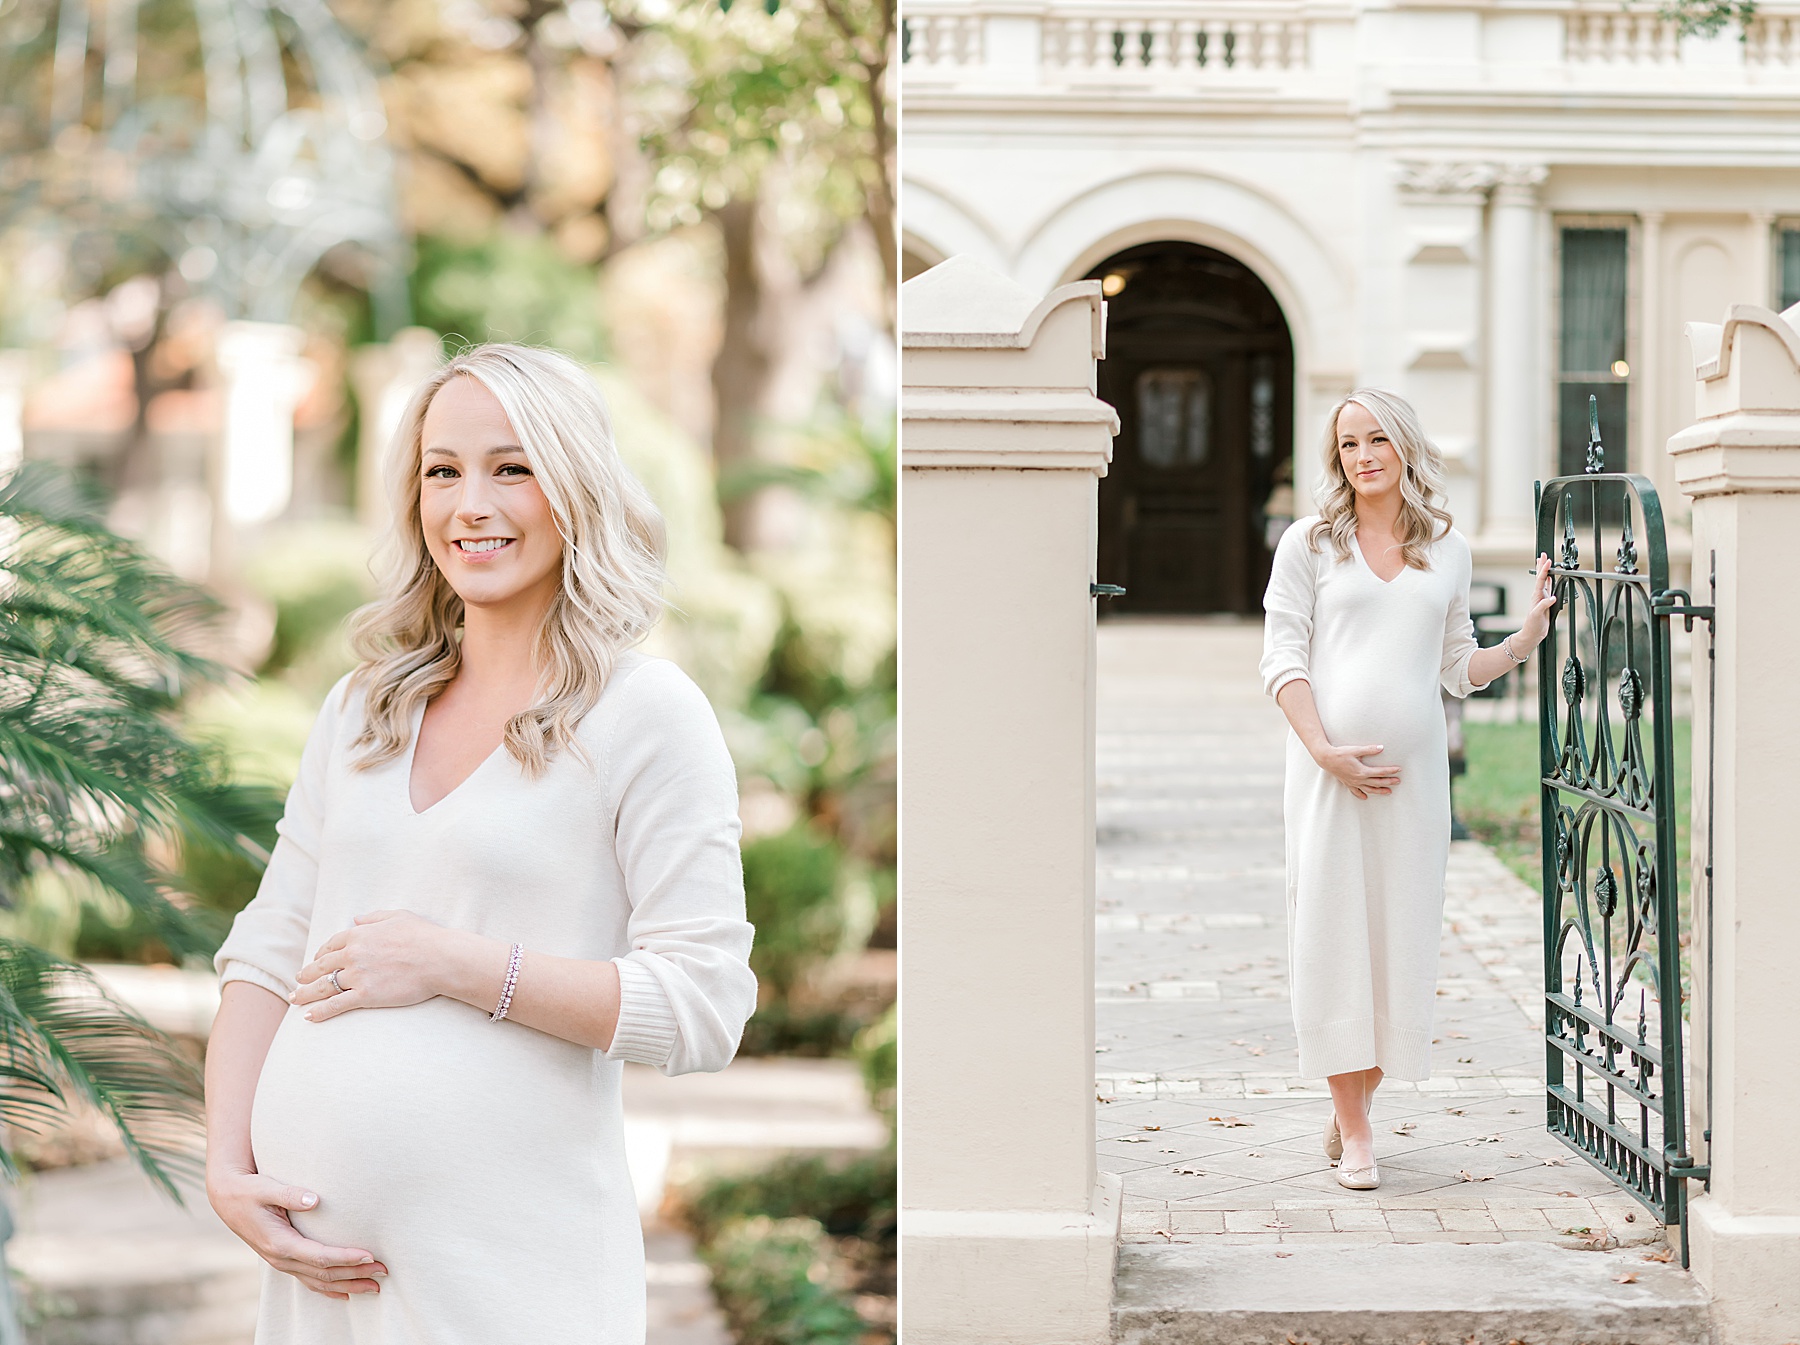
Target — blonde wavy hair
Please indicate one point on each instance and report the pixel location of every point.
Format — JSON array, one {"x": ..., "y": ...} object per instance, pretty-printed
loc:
[
  {"x": 1422, "y": 519},
  {"x": 612, "y": 562}
]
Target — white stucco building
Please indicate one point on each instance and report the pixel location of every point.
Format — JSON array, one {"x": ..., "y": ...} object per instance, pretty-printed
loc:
[{"x": 1494, "y": 207}]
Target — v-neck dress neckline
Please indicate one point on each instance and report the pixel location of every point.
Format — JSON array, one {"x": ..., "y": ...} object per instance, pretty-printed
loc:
[
  {"x": 1356, "y": 542},
  {"x": 412, "y": 752}
]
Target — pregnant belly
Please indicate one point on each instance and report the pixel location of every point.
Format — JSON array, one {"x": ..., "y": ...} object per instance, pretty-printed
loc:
[
  {"x": 1358, "y": 707},
  {"x": 404, "y": 1120}
]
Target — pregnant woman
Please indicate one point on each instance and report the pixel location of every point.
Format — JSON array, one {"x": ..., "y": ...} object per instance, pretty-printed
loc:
[
  {"x": 509, "y": 863},
  {"x": 1368, "y": 612}
]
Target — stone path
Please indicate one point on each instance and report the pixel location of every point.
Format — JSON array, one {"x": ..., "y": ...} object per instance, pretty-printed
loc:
[{"x": 1201, "y": 1108}]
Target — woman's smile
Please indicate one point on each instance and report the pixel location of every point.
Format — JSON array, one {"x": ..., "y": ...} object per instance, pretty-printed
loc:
[{"x": 478, "y": 551}]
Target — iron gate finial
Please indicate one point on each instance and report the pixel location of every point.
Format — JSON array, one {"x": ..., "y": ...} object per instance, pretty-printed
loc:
[{"x": 1596, "y": 453}]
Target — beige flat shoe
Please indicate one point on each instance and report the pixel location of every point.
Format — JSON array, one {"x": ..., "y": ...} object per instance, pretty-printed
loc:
[
  {"x": 1334, "y": 1142},
  {"x": 1360, "y": 1179}
]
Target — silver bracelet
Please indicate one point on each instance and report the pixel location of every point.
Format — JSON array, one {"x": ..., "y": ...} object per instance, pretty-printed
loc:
[
  {"x": 1506, "y": 644},
  {"x": 512, "y": 979}
]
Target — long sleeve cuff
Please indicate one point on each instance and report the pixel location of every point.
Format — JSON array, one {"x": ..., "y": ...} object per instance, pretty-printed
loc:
[
  {"x": 233, "y": 970},
  {"x": 1273, "y": 682},
  {"x": 646, "y": 1029}
]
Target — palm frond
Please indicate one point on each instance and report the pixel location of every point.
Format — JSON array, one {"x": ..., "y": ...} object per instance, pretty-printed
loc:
[
  {"x": 63, "y": 1039},
  {"x": 97, "y": 651}
]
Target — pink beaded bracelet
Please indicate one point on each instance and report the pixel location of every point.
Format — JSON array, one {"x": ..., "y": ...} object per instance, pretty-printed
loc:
[{"x": 512, "y": 978}]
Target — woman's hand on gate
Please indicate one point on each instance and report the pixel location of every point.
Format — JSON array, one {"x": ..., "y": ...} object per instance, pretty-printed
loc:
[
  {"x": 1347, "y": 766},
  {"x": 1536, "y": 625},
  {"x": 256, "y": 1208},
  {"x": 386, "y": 960}
]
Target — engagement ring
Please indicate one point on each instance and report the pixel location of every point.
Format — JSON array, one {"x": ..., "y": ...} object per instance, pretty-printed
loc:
[{"x": 339, "y": 984}]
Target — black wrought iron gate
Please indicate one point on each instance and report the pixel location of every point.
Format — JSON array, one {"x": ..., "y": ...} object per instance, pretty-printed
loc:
[{"x": 1613, "y": 987}]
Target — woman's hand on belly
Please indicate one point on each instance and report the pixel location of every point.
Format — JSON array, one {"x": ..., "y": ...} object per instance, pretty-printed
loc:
[
  {"x": 386, "y": 960},
  {"x": 1347, "y": 767},
  {"x": 255, "y": 1208}
]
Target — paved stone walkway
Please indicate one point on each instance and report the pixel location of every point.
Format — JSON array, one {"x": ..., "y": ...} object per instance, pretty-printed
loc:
[{"x": 1201, "y": 1108}]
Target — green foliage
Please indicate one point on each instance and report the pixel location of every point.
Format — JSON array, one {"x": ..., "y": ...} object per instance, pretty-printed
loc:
[
  {"x": 96, "y": 782},
  {"x": 790, "y": 891},
  {"x": 507, "y": 287},
  {"x": 783, "y": 91},
  {"x": 778, "y": 1028},
  {"x": 314, "y": 573},
  {"x": 878, "y": 1052},
  {"x": 94, "y": 771},
  {"x": 772, "y": 1280},
  {"x": 849, "y": 1199},
  {"x": 62, "y": 1039},
  {"x": 1706, "y": 17}
]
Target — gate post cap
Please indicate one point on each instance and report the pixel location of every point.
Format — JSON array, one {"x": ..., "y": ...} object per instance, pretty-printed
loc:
[
  {"x": 960, "y": 303},
  {"x": 1748, "y": 362}
]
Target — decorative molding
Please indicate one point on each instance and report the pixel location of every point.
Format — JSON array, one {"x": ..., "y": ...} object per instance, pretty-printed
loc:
[
  {"x": 1517, "y": 183},
  {"x": 1437, "y": 177}
]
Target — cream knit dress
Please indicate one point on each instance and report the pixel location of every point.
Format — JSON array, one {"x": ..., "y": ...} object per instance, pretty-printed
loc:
[
  {"x": 483, "y": 1163},
  {"x": 1365, "y": 877}
]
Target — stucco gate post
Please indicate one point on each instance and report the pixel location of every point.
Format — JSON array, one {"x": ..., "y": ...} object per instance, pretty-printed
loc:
[
  {"x": 1007, "y": 1231},
  {"x": 1740, "y": 464}
]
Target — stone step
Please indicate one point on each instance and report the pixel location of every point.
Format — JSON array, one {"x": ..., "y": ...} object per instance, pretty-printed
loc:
[{"x": 1435, "y": 1293}]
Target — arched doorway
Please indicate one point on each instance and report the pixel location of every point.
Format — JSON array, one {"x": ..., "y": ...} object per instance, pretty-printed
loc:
[{"x": 1200, "y": 368}]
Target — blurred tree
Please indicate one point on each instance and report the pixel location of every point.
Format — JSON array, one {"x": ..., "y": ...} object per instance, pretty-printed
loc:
[
  {"x": 95, "y": 781},
  {"x": 783, "y": 140}
]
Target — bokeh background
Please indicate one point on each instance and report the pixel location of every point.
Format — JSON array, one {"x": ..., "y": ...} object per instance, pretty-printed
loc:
[{"x": 234, "y": 234}]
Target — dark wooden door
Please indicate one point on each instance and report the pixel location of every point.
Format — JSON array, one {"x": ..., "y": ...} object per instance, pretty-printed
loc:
[{"x": 1199, "y": 369}]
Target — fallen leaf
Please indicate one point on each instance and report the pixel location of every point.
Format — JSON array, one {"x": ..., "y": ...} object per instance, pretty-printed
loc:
[
  {"x": 1629, "y": 1277},
  {"x": 1189, "y": 1172},
  {"x": 1278, "y": 1225},
  {"x": 1468, "y": 1176},
  {"x": 1259, "y": 1090},
  {"x": 1253, "y": 1154},
  {"x": 1581, "y": 1232},
  {"x": 1229, "y": 1121},
  {"x": 1454, "y": 1111},
  {"x": 1465, "y": 1060},
  {"x": 1132, "y": 1139},
  {"x": 1570, "y": 1194},
  {"x": 1168, "y": 1151},
  {"x": 1257, "y": 1050},
  {"x": 1149, "y": 1127},
  {"x": 1462, "y": 1035},
  {"x": 1513, "y": 1155},
  {"x": 1555, "y": 1162},
  {"x": 1665, "y": 1255},
  {"x": 1597, "y": 1241},
  {"x": 1406, "y": 1127},
  {"x": 1239, "y": 1042},
  {"x": 1283, "y": 1254},
  {"x": 1630, "y": 1218}
]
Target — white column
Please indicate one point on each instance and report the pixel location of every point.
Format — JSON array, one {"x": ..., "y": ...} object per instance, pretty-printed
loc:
[
  {"x": 1740, "y": 465},
  {"x": 265, "y": 378},
  {"x": 1007, "y": 1231},
  {"x": 1515, "y": 454},
  {"x": 386, "y": 376}
]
